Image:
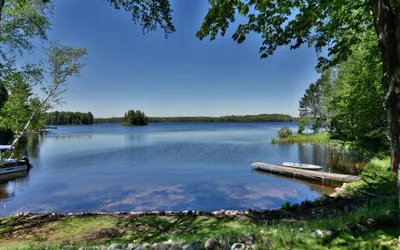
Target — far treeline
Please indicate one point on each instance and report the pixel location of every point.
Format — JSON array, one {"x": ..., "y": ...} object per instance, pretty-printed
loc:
[
  {"x": 69, "y": 118},
  {"x": 230, "y": 118}
]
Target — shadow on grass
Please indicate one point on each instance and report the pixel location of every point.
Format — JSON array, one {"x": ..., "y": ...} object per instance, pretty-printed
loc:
[{"x": 158, "y": 229}]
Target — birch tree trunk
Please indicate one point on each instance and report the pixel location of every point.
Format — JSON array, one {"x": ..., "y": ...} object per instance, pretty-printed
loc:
[{"x": 42, "y": 103}]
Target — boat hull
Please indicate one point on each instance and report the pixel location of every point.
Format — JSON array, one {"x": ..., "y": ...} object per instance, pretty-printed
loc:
[
  {"x": 8, "y": 170},
  {"x": 302, "y": 166},
  {"x": 13, "y": 166}
]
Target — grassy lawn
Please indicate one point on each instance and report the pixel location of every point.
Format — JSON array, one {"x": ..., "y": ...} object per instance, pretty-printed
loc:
[{"x": 20, "y": 233}]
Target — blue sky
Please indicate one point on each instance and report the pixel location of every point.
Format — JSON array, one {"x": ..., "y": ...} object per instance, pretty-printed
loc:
[{"x": 178, "y": 76}]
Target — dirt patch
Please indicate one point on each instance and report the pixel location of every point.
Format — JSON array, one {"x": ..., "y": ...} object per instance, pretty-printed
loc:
[{"x": 104, "y": 233}]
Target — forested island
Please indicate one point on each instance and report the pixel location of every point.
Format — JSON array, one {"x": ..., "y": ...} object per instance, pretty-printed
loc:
[
  {"x": 135, "y": 118},
  {"x": 228, "y": 118}
]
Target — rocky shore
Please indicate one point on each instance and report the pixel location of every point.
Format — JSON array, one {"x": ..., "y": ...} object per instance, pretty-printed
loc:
[
  {"x": 326, "y": 205},
  {"x": 195, "y": 230},
  {"x": 246, "y": 241}
]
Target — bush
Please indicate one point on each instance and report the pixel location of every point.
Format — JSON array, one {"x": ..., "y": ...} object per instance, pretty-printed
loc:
[
  {"x": 301, "y": 128},
  {"x": 380, "y": 179},
  {"x": 284, "y": 132}
]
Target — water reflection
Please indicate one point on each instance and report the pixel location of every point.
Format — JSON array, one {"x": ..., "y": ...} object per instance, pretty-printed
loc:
[
  {"x": 136, "y": 139},
  {"x": 8, "y": 182},
  {"x": 327, "y": 187},
  {"x": 29, "y": 145},
  {"x": 72, "y": 137},
  {"x": 332, "y": 159}
]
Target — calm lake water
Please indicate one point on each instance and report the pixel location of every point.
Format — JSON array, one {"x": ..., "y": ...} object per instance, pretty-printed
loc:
[{"x": 190, "y": 166}]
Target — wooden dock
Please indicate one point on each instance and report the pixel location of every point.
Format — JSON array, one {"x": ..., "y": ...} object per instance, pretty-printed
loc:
[{"x": 306, "y": 174}]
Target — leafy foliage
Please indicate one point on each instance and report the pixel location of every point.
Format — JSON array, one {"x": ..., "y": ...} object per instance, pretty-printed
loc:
[
  {"x": 376, "y": 177},
  {"x": 150, "y": 14},
  {"x": 312, "y": 105},
  {"x": 62, "y": 62},
  {"x": 354, "y": 96},
  {"x": 349, "y": 100},
  {"x": 332, "y": 24},
  {"x": 21, "y": 21},
  {"x": 301, "y": 127},
  {"x": 17, "y": 110},
  {"x": 284, "y": 132}
]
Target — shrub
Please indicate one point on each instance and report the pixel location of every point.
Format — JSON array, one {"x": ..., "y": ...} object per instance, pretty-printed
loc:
[
  {"x": 284, "y": 132},
  {"x": 286, "y": 205},
  {"x": 301, "y": 128},
  {"x": 379, "y": 178}
]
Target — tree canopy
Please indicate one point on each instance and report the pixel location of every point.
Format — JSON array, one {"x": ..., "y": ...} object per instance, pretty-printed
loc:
[
  {"x": 335, "y": 25},
  {"x": 349, "y": 98},
  {"x": 150, "y": 14}
]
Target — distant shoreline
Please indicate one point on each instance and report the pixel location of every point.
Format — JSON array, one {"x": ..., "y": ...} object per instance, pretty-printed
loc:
[{"x": 221, "y": 119}]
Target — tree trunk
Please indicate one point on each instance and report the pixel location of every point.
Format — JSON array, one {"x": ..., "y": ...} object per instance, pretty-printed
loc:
[
  {"x": 387, "y": 27},
  {"x": 3, "y": 91},
  {"x": 41, "y": 104},
  {"x": 393, "y": 110}
]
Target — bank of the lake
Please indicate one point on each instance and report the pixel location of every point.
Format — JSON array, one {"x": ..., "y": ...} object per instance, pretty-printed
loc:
[
  {"x": 343, "y": 221},
  {"x": 330, "y": 223}
]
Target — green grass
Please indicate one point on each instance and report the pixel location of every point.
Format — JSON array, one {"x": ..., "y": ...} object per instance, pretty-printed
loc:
[
  {"x": 77, "y": 231},
  {"x": 384, "y": 233},
  {"x": 320, "y": 138},
  {"x": 376, "y": 177}
]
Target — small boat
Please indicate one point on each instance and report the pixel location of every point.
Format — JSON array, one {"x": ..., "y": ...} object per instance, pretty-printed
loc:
[
  {"x": 302, "y": 166},
  {"x": 8, "y": 166}
]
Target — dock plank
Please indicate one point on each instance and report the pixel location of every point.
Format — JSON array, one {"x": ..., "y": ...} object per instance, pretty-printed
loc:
[{"x": 306, "y": 173}]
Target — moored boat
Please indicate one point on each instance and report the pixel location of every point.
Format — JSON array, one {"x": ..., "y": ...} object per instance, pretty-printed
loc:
[
  {"x": 8, "y": 166},
  {"x": 302, "y": 166}
]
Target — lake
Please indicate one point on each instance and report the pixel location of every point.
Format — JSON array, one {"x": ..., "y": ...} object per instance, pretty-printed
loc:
[{"x": 176, "y": 166}]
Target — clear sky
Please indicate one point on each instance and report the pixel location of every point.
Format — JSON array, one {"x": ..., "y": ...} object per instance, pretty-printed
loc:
[{"x": 178, "y": 76}]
